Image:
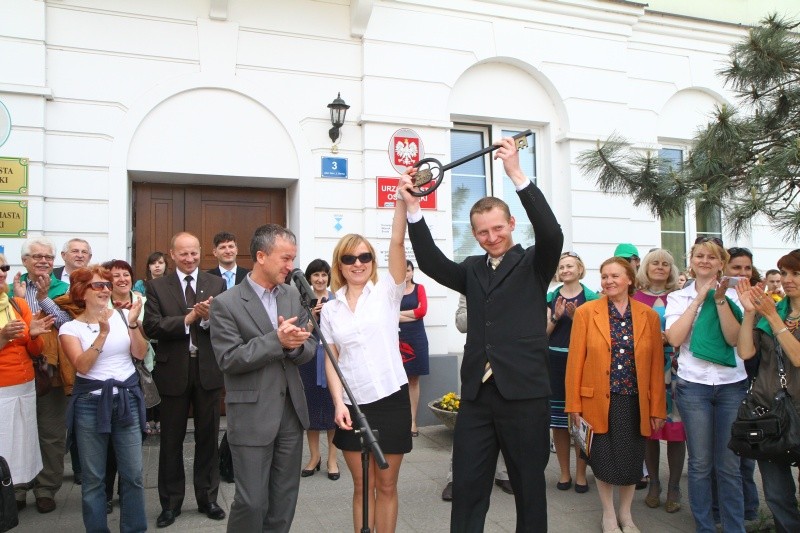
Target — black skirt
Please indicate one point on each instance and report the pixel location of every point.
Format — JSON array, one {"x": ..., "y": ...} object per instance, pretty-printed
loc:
[
  {"x": 391, "y": 416},
  {"x": 617, "y": 456}
]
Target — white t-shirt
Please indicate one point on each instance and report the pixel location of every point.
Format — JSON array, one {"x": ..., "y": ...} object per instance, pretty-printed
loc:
[
  {"x": 368, "y": 340},
  {"x": 115, "y": 360},
  {"x": 690, "y": 367}
]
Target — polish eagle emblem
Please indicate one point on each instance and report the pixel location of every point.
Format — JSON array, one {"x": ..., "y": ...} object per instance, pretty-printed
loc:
[{"x": 406, "y": 152}]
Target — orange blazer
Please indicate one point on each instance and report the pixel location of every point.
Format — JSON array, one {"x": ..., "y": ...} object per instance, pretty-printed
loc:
[{"x": 588, "y": 381}]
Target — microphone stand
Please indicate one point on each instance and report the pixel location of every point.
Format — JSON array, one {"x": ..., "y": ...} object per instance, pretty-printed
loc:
[{"x": 367, "y": 436}]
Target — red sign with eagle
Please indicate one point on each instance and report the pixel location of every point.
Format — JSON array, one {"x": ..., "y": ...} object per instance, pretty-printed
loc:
[{"x": 405, "y": 149}]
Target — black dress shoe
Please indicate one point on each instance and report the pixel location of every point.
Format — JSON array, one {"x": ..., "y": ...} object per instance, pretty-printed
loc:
[
  {"x": 505, "y": 485},
  {"x": 167, "y": 517},
  {"x": 307, "y": 473},
  {"x": 212, "y": 510},
  {"x": 447, "y": 493}
]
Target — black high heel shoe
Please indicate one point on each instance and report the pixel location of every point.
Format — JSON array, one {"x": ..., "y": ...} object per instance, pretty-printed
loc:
[
  {"x": 306, "y": 473},
  {"x": 333, "y": 476}
]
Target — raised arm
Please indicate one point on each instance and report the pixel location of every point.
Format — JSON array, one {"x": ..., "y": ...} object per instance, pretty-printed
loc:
[
  {"x": 397, "y": 243},
  {"x": 546, "y": 229}
]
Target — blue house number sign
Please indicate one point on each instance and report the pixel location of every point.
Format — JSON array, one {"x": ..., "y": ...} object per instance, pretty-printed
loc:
[{"x": 334, "y": 167}]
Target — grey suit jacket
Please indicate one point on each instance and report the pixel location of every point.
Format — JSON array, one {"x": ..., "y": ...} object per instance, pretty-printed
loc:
[{"x": 257, "y": 371}]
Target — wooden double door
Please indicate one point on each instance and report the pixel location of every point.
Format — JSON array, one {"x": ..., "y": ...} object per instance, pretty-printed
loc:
[{"x": 162, "y": 210}]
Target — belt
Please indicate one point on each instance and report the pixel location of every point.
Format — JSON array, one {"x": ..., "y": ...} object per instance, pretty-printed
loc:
[{"x": 193, "y": 352}]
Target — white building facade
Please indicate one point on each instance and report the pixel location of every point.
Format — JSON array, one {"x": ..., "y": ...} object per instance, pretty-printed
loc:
[{"x": 134, "y": 114}]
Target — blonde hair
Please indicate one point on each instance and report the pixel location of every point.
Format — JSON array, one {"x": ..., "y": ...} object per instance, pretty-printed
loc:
[
  {"x": 714, "y": 248},
  {"x": 578, "y": 262},
  {"x": 659, "y": 254},
  {"x": 345, "y": 246}
]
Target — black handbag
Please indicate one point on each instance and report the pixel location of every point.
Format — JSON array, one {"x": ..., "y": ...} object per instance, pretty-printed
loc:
[
  {"x": 8, "y": 504},
  {"x": 146, "y": 383},
  {"x": 768, "y": 433},
  {"x": 225, "y": 460},
  {"x": 149, "y": 388}
]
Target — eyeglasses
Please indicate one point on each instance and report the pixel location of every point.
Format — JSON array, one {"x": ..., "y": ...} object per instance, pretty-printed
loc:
[
  {"x": 5, "y": 268},
  {"x": 39, "y": 257},
  {"x": 715, "y": 240},
  {"x": 100, "y": 285},
  {"x": 737, "y": 251},
  {"x": 365, "y": 258}
]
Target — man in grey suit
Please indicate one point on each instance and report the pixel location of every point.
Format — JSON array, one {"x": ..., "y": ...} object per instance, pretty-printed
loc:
[{"x": 259, "y": 334}]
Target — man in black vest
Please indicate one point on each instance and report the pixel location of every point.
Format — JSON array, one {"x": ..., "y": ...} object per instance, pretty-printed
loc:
[{"x": 505, "y": 381}]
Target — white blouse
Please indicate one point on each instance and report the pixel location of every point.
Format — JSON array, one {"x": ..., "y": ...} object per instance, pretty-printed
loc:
[
  {"x": 690, "y": 367},
  {"x": 367, "y": 340},
  {"x": 115, "y": 360}
]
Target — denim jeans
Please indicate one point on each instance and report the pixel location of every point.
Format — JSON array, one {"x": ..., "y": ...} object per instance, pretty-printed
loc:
[
  {"x": 708, "y": 413},
  {"x": 93, "y": 453},
  {"x": 779, "y": 491}
]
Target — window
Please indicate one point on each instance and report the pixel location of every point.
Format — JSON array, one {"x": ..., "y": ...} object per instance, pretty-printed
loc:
[
  {"x": 475, "y": 179},
  {"x": 678, "y": 232}
]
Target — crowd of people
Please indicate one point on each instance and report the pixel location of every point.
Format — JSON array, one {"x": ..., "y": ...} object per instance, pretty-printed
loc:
[{"x": 655, "y": 355}]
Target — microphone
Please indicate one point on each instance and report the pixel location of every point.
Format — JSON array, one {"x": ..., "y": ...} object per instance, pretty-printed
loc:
[{"x": 299, "y": 280}]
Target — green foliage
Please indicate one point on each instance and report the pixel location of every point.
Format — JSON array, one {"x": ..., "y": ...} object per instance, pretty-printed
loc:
[{"x": 745, "y": 161}]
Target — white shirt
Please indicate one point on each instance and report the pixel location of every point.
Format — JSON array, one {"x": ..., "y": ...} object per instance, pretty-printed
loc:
[
  {"x": 367, "y": 340},
  {"x": 691, "y": 368},
  {"x": 115, "y": 359}
]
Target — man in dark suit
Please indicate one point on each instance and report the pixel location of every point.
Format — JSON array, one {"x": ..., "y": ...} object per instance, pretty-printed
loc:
[
  {"x": 225, "y": 250},
  {"x": 76, "y": 253},
  {"x": 259, "y": 336},
  {"x": 505, "y": 381},
  {"x": 177, "y": 315}
]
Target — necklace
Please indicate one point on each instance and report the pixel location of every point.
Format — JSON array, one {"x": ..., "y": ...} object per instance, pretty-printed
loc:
[
  {"x": 656, "y": 293},
  {"x": 792, "y": 322}
]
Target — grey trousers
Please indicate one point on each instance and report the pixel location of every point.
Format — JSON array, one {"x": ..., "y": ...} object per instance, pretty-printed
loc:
[{"x": 268, "y": 479}]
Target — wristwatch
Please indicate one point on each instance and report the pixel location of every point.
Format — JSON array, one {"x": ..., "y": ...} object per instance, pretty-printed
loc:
[
  {"x": 553, "y": 319},
  {"x": 721, "y": 302}
]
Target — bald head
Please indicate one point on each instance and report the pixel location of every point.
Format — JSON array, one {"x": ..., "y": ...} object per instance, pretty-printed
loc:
[{"x": 185, "y": 252}]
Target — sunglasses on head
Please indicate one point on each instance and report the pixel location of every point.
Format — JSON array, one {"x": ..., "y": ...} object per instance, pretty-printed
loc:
[
  {"x": 737, "y": 251},
  {"x": 570, "y": 254},
  {"x": 5, "y": 268},
  {"x": 365, "y": 258},
  {"x": 100, "y": 285},
  {"x": 715, "y": 240}
]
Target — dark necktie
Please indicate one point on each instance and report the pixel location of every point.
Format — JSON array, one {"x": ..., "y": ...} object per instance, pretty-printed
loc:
[
  {"x": 494, "y": 262},
  {"x": 191, "y": 300}
]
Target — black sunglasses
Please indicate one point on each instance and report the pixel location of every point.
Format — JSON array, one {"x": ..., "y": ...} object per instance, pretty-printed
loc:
[
  {"x": 5, "y": 268},
  {"x": 365, "y": 258},
  {"x": 715, "y": 240},
  {"x": 737, "y": 251},
  {"x": 100, "y": 285}
]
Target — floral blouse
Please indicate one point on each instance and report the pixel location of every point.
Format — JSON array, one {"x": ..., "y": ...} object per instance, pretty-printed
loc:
[{"x": 623, "y": 364}]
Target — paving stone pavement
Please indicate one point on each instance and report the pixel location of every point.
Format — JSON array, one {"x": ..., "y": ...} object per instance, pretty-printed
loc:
[{"x": 325, "y": 505}]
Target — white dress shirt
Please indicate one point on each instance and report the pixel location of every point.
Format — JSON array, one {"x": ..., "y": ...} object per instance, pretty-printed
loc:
[{"x": 367, "y": 340}]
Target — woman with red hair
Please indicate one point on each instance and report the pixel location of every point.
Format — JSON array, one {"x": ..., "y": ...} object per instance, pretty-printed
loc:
[{"x": 107, "y": 402}]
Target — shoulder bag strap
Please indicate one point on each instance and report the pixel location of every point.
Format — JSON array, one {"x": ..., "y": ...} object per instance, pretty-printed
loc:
[{"x": 781, "y": 368}]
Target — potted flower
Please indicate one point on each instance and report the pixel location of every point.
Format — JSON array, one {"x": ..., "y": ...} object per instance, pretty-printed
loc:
[{"x": 446, "y": 408}]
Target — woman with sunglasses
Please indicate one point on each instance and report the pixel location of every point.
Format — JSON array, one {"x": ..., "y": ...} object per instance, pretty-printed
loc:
[
  {"x": 703, "y": 320},
  {"x": 561, "y": 305},
  {"x": 740, "y": 265},
  {"x": 360, "y": 325},
  {"x": 766, "y": 328},
  {"x": 19, "y": 342},
  {"x": 107, "y": 402},
  {"x": 656, "y": 279}
]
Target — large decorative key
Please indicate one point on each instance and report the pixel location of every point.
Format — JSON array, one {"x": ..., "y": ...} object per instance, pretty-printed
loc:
[{"x": 431, "y": 170}]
